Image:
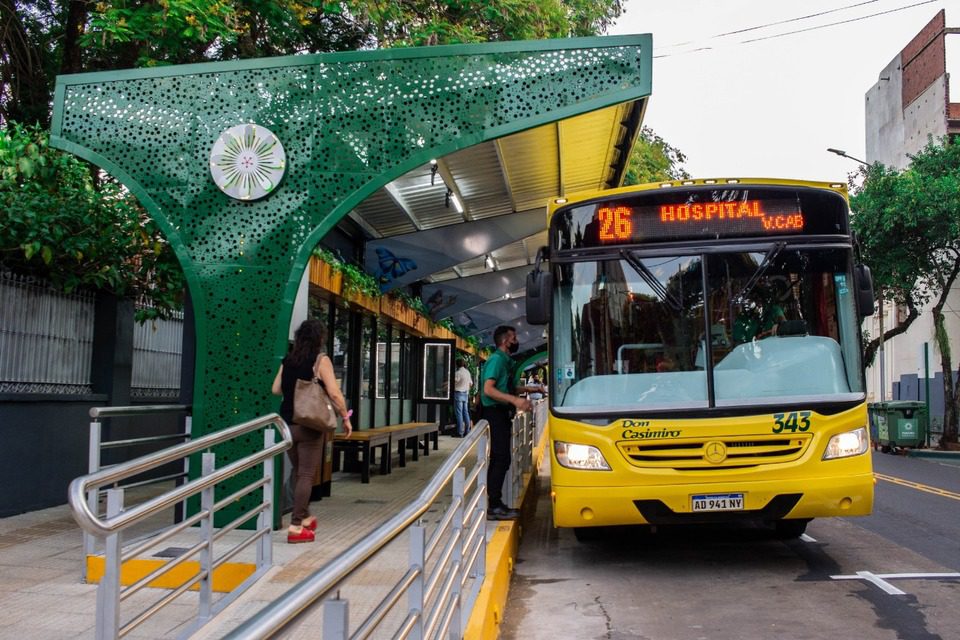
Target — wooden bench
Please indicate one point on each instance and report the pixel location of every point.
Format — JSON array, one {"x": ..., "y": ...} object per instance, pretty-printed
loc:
[
  {"x": 408, "y": 436},
  {"x": 364, "y": 443}
]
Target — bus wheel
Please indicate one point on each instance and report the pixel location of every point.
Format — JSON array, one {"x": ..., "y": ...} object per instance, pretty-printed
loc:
[
  {"x": 587, "y": 534},
  {"x": 788, "y": 529}
]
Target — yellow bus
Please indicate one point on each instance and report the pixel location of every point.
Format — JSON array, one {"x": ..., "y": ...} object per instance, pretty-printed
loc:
[{"x": 705, "y": 355}]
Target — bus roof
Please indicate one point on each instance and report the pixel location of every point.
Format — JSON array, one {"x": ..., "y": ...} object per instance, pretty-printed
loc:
[{"x": 555, "y": 203}]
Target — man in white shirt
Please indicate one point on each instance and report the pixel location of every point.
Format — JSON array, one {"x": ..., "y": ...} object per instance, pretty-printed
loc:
[{"x": 462, "y": 381}]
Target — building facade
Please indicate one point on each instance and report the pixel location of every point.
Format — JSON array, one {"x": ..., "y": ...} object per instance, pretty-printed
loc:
[{"x": 910, "y": 105}]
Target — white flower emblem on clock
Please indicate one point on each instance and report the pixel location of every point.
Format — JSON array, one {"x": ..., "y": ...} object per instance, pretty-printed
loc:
[{"x": 247, "y": 162}]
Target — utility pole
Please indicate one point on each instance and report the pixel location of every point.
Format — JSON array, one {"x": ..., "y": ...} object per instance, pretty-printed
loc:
[{"x": 883, "y": 373}]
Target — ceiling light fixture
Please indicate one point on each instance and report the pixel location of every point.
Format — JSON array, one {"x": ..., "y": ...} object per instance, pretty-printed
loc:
[
  {"x": 489, "y": 262},
  {"x": 456, "y": 202}
]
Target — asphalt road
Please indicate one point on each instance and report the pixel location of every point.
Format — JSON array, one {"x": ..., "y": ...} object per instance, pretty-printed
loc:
[{"x": 844, "y": 579}]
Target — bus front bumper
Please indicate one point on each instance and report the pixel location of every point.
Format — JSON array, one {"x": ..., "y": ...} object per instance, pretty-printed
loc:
[{"x": 767, "y": 500}]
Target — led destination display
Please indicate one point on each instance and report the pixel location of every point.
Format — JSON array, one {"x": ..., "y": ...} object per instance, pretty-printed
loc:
[
  {"x": 678, "y": 215},
  {"x": 621, "y": 223}
]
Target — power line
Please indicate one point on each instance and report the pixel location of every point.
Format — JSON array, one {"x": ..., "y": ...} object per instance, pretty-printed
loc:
[
  {"x": 812, "y": 15},
  {"x": 833, "y": 24},
  {"x": 773, "y": 24},
  {"x": 796, "y": 31}
]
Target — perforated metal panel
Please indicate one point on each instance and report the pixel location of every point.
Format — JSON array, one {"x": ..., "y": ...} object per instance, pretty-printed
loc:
[{"x": 349, "y": 124}]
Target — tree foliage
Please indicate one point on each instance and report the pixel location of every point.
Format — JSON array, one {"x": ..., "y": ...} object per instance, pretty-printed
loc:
[
  {"x": 653, "y": 160},
  {"x": 54, "y": 223},
  {"x": 909, "y": 231},
  {"x": 42, "y": 38}
]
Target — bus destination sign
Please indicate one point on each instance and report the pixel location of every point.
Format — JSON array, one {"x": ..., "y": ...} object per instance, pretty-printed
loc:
[{"x": 621, "y": 223}]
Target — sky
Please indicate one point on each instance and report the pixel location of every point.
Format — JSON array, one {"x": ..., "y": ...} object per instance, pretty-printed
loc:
[{"x": 771, "y": 108}]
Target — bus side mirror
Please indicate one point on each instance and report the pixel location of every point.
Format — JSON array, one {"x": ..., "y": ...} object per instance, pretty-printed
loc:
[
  {"x": 539, "y": 294},
  {"x": 539, "y": 291},
  {"x": 866, "y": 302}
]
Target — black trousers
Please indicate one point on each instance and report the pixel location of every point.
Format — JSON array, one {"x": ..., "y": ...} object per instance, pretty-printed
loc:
[{"x": 500, "y": 418}]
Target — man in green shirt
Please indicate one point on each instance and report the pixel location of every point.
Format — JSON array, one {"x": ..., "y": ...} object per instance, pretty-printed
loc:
[{"x": 498, "y": 405}]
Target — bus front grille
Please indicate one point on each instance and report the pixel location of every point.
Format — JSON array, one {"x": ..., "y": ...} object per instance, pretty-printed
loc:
[{"x": 720, "y": 452}]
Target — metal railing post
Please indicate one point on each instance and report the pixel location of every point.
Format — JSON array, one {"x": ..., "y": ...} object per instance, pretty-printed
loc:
[
  {"x": 418, "y": 562},
  {"x": 188, "y": 430},
  {"x": 108, "y": 592},
  {"x": 458, "y": 530},
  {"x": 483, "y": 458},
  {"x": 265, "y": 519},
  {"x": 208, "y": 466},
  {"x": 336, "y": 619},
  {"x": 93, "y": 465}
]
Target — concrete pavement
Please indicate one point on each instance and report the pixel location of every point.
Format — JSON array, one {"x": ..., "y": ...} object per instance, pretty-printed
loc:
[{"x": 42, "y": 596}]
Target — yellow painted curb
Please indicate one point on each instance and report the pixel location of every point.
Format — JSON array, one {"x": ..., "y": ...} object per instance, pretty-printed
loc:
[
  {"x": 484, "y": 622},
  {"x": 226, "y": 577}
]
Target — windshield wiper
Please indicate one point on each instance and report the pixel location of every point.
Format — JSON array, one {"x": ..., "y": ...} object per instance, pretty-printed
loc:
[
  {"x": 672, "y": 301},
  {"x": 761, "y": 269}
]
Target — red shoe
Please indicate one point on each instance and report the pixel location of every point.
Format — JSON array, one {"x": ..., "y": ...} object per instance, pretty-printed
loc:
[
  {"x": 305, "y": 535},
  {"x": 312, "y": 524}
]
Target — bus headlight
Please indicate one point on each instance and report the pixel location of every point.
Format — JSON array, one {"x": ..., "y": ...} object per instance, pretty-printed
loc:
[
  {"x": 580, "y": 456},
  {"x": 844, "y": 445}
]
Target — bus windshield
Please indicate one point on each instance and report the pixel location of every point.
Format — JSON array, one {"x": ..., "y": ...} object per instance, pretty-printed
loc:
[{"x": 746, "y": 328}]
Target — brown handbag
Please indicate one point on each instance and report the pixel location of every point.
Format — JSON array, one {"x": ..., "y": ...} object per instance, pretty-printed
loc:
[{"x": 312, "y": 407}]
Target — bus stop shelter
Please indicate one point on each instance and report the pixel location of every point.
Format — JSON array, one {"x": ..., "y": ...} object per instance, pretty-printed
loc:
[{"x": 247, "y": 165}]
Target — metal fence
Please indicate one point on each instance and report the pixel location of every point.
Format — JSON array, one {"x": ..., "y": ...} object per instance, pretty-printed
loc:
[
  {"x": 46, "y": 342},
  {"x": 46, "y": 337},
  {"x": 157, "y": 346}
]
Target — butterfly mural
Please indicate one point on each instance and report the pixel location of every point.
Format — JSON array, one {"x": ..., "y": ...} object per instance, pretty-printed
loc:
[{"x": 391, "y": 267}]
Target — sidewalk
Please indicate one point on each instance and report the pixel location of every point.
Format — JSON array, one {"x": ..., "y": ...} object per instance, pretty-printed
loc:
[
  {"x": 953, "y": 457},
  {"x": 41, "y": 595}
]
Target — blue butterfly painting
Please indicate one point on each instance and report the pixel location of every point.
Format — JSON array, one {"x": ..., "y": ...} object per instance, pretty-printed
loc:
[{"x": 391, "y": 267}]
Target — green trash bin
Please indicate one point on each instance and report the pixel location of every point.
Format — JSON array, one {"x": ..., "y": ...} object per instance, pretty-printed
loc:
[
  {"x": 877, "y": 418},
  {"x": 906, "y": 424}
]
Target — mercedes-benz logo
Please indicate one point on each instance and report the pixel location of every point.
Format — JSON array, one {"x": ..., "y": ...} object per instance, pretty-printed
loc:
[{"x": 715, "y": 452}]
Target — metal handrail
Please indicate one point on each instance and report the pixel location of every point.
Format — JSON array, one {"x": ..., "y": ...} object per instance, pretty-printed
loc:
[
  {"x": 94, "y": 524},
  {"x": 97, "y": 446},
  {"x": 118, "y": 518},
  {"x": 284, "y": 610},
  {"x": 138, "y": 410}
]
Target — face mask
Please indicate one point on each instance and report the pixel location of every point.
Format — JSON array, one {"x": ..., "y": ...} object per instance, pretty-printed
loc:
[{"x": 513, "y": 348}]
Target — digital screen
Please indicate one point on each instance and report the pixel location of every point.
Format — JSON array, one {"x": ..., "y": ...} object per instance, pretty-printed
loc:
[
  {"x": 700, "y": 214},
  {"x": 618, "y": 223}
]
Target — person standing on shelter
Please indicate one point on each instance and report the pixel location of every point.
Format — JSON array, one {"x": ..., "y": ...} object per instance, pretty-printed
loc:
[
  {"x": 305, "y": 361},
  {"x": 462, "y": 381},
  {"x": 498, "y": 405}
]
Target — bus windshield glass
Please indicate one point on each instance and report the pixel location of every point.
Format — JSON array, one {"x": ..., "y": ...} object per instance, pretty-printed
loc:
[{"x": 744, "y": 328}]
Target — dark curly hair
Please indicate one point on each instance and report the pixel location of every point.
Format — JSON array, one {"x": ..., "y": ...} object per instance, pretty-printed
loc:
[{"x": 308, "y": 342}]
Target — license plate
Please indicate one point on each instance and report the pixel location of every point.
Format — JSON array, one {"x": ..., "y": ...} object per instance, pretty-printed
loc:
[{"x": 717, "y": 502}]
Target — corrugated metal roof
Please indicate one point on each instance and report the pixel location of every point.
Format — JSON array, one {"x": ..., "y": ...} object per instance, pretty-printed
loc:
[{"x": 513, "y": 174}]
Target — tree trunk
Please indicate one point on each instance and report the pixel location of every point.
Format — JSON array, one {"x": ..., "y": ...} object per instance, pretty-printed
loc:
[
  {"x": 871, "y": 348},
  {"x": 950, "y": 400},
  {"x": 22, "y": 75},
  {"x": 72, "y": 61}
]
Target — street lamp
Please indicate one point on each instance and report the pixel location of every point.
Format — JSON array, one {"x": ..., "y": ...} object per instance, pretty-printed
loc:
[
  {"x": 844, "y": 154},
  {"x": 883, "y": 376}
]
